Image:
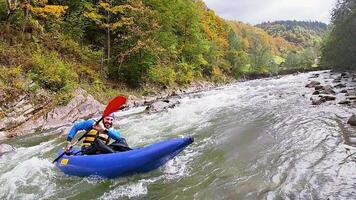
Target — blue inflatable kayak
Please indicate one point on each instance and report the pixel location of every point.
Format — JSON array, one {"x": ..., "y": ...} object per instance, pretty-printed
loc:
[{"x": 123, "y": 163}]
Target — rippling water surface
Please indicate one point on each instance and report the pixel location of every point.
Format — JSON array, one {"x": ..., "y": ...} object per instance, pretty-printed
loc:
[{"x": 259, "y": 139}]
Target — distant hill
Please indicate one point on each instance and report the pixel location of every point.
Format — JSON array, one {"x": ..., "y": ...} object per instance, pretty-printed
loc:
[
  {"x": 302, "y": 33},
  {"x": 249, "y": 34}
]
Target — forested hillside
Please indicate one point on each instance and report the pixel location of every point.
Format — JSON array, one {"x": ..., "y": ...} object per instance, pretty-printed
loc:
[
  {"x": 303, "y": 33},
  {"x": 339, "y": 47},
  {"x": 51, "y": 47},
  {"x": 266, "y": 53}
]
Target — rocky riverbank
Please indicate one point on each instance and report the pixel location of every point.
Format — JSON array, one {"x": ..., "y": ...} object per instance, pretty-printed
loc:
[
  {"x": 23, "y": 117},
  {"x": 329, "y": 88},
  {"x": 335, "y": 87}
]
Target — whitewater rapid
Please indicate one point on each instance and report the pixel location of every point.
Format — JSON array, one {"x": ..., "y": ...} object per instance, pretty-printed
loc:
[{"x": 259, "y": 139}]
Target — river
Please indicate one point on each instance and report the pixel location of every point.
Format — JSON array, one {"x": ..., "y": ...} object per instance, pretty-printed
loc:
[{"x": 259, "y": 139}]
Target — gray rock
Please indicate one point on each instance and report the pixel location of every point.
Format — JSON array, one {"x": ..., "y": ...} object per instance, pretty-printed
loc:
[
  {"x": 82, "y": 106},
  {"x": 351, "y": 97},
  {"x": 314, "y": 76},
  {"x": 340, "y": 85},
  {"x": 344, "y": 74},
  {"x": 327, "y": 97},
  {"x": 316, "y": 92},
  {"x": 312, "y": 84},
  {"x": 162, "y": 105},
  {"x": 319, "y": 87},
  {"x": 2, "y": 135},
  {"x": 343, "y": 102},
  {"x": 318, "y": 101},
  {"x": 328, "y": 89},
  {"x": 352, "y": 120},
  {"x": 350, "y": 93},
  {"x": 5, "y": 148}
]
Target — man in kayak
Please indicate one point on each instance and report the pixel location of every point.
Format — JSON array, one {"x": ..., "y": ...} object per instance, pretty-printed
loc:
[{"x": 98, "y": 137}]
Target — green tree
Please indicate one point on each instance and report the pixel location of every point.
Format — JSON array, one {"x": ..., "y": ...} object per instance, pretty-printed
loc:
[
  {"x": 260, "y": 55},
  {"x": 339, "y": 48}
]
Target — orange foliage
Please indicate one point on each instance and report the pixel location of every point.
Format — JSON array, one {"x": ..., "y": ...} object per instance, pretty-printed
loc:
[
  {"x": 247, "y": 33},
  {"x": 53, "y": 10}
]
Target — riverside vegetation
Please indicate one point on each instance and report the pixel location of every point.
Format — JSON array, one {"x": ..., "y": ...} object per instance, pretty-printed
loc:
[{"x": 50, "y": 48}]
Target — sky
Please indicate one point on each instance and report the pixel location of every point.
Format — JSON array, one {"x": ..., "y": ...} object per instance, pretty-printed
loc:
[{"x": 257, "y": 11}]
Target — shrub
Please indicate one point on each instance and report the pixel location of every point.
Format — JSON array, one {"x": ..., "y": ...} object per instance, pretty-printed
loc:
[
  {"x": 164, "y": 75},
  {"x": 52, "y": 73},
  {"x": 185, "y": 73},
  {"x": 12, "y": 83}
]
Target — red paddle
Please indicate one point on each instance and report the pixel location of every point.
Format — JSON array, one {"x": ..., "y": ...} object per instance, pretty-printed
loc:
[{"x": 112, "y": 106}]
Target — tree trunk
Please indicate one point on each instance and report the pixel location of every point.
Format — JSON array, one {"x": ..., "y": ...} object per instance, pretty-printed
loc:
[
  {"x": 27, "y": 13},
  {"x": 11, "y": 6},
  {"x": 108, "y": 33}
]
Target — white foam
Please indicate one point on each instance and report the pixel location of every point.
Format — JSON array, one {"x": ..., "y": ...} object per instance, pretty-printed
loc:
[
  {"x": 30, "y": 178},
  {"x": 130, "y": 190}
]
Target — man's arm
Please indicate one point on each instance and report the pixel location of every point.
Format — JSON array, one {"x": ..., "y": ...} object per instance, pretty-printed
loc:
[
  {"x": 82, "y": 125},
  {"x": 114, "y": 134}
]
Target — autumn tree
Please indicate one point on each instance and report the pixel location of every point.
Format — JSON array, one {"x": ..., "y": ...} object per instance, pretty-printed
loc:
[{"x": 108, "y": 15}]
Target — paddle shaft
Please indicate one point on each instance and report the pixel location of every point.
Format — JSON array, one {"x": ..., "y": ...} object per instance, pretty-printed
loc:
[{"x": 83, "y": 136}]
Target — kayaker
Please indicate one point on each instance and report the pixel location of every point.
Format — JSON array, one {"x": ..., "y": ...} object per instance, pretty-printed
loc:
[{"x": 98, "y": 137}]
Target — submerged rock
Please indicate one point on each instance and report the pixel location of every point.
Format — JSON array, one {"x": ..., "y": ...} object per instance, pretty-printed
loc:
[
  {"x": 345, "y": 75},
  {"x": 314, "y": 76},
  {"x": 316, "y": 92},
  {"x": 5, "y": 148},
  {"x": 319, "y": 87},
  {"x": 328, "y": 89},
  {"x": 345, "y": 102},
  {"x": 312, "y": 84},
  {"x": 352, "y": 120},
  {"x": 162, "y": 105},
  {"x": 340, "y": 85},
  {"x": 327, "y": 97},
  {"x": 318, "y": 101},
  {"x": 351, "y": 97}
]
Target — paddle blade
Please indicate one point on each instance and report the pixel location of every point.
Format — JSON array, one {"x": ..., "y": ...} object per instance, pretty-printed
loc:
[{"x": 114, "y": 105}]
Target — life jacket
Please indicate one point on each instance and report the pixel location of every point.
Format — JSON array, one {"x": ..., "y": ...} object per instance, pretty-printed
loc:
[{"x": 93, "y": 135}]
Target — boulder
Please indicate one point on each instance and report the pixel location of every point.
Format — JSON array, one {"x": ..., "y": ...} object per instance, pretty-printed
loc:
[
  {"x": 328, "y": 89},
  {"x": 318, "y": 101},
  {"x": 162, "y": 105},
  {"x": 350, "y": 93},
  {"x": 176, "y": 93},
  {"x": 352, "y": 120},
  {"x": 345, "y": 75},
  {"x": 337, "y": 80},
  {"x": 17, "y": 112},
  {"x": 343, "y": 91},
  {"x": 82, "y": 106},
  {"x": 340, "y": 85},
  {"x": 343, "y": 102},
  {"x": 2, "y": 135},
  {"x": 351, "y": 97},
  {"x": 312, "y": 84},
  {"x": 316, "y": 92},
  {"x": 327, "y": 97},
  {"x": 314, "y": 76},
  {"x": 5, "y": 148},
  {"x": 319, "y": 87}
]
